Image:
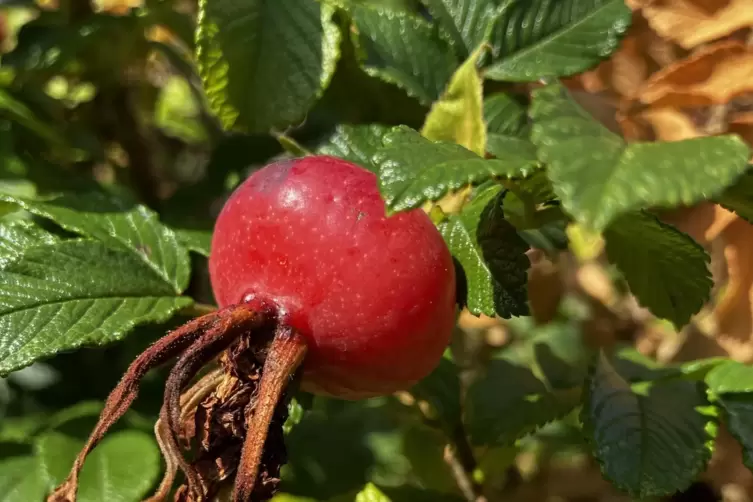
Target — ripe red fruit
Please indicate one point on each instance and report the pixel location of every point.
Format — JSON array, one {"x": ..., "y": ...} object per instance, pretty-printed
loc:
[{"x": 373, "y": 296}]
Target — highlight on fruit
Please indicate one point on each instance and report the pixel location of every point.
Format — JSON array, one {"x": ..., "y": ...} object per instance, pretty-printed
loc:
[{"x": 317, "y": 288}]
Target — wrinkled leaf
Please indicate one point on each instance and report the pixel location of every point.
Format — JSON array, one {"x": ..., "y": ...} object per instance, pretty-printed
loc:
[
  {"x": 554, "y": 38},
  {"x": 465, "y": 23},
  {"x": 651, "y": 439},
  {"x": 120, "y": 225},
  {"x": 62, "y": 295},
  {"x": 506, "y": 115},
  {"x": 666, "y": 270},
  {"x": 17, "y": 236},
  {"x": 264, "y": 62},
  {"x": 355, "y": 143},
  {"x": 413, "y": 169},
  {"x": 492, "y": 255},
  {"x": 403, "y": 49},
  {"x": 597, "y": 176}
]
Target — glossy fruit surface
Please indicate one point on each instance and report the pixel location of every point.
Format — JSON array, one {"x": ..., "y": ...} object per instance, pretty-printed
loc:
[{"x": 374, "y": 296}]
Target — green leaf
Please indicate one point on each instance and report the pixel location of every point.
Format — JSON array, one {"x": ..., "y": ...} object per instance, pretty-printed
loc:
[
  {"x": 198, "y": 241},
  {"x": 528, "y": 384},
  {"x": 17, "y": 236},
  {"x": 355, "y": 143},
  {"x": 739, "y": 197},
  {"x": 597, "y": 176},
  {"x": 500, "y": 146},
  {"x": 441, "y": 389},
  {"x": 506, "y": 115},
  {"x": 22, "y": 479},
  {"x": 465, "y": 23},
  {"x": 738, "y": 414},
  {"x": 650, "y": 438},
  {"x": 730, "y": 377},
  {"x": 403, "y": 49},
  {"x": 120, "y": 225},
  {"x": 265, "y": 62},
  {"x": 123, "y": 468},
  {"x": 371, "y": 493},
  {"x": 62, "y": 295},
  {"x": 413, "y": 169},
  {"x": 492, "y": 255},
  {"x": 665, "y": 269},
  {"x": 555, "y": 38},
  {"x": 458, "y": 115}
]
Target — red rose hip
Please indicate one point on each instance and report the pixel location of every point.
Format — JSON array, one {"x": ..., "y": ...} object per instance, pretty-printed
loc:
[{"x": 373, "y": 296}]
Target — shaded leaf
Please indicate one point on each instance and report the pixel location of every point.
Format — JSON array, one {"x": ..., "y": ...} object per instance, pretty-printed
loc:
[
  {"x": 403, "y": 49},
  {"x": 738, "y": 414},
  {"x": 22, "y": 479},
  {"x": 554, "y": 38},
  {"x": 666, "y": 269},
  {"x": 650, "y": 437},
  {"x": 739, "y": 197},
  {"x": 47, "y": 305},
  {"x": 597, "y": 176},
  {"x": 441, "y": 389},
  {"x": 413, "y": 169},
  {"x": 526, "y": 386},
  {"x": 506, "y": 115},
  {"x": 123, "y": 468},
  {"x": 355, "y": 143},
  {"x": 458, "y": 115},
  {"x": 492, "y": 255},
  {"x": 265, "y": 62}
]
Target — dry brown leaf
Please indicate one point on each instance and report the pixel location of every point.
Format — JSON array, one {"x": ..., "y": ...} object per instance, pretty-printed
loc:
[
  {"x": 703, "y": 222},
  {"x": 742, "y": 124},
  {"x": 694, "y": 22},
  {"x": 670, "y": 124},
  {"x": 626, "y": 70},
  {"x": 712, "y": 75},
  {"x": 734, "y": 310}
]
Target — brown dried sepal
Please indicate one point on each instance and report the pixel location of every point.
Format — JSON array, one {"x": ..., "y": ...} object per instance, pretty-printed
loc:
[
  {"x": 231, "y": 419},
  {"x": 217, "y": 427}
]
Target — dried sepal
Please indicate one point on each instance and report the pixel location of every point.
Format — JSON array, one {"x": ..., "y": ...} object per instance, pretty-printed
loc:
[
  {"x": 238, "y": 319},
  {"x": 286, "y": 353}
]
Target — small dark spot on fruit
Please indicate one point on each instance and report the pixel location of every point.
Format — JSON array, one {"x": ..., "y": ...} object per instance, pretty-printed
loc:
[{"x": 361, "y": 214}]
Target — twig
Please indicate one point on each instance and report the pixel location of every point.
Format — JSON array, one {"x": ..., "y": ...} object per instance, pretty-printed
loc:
[{"x": 459, "y": 457}]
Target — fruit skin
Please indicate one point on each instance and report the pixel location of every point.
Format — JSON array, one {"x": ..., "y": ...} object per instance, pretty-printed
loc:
[{"x": 374, "y": 296}]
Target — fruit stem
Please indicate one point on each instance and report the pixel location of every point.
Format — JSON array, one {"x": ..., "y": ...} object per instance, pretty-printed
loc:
[{"x": 286, "y": 353}]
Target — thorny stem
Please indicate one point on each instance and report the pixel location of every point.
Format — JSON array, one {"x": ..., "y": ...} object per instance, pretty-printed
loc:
[
  {"x": 286, "y": 353},
  {"x": 120, "y": 399}
]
